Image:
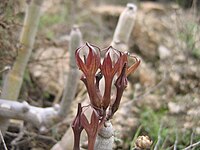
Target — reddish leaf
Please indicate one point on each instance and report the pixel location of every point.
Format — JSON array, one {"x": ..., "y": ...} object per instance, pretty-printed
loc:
[
  {"x": 81, "y": 65},
  {"x": 77, "y": 128},
  {"x": 121, "y": 84},
  {"x": 91, "y": 128},
  {"x": 133, "y": 67}
]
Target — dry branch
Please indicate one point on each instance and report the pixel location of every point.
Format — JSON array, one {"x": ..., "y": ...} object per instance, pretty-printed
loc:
[
  {"x": 124, "y": 27},
  {"x": 2, "y": 139},
  {"x": 192, "y": 146},
  {"x": 13, "y": 81},
  {"x": 70, "y": 87},
  {"x": 40, "y": 117},
  {"x": 176, "y": 141},
  {"x": 43, "y": 118},
  {"x": 158, "y": 143},
  {"x": 73, "y": 73}
]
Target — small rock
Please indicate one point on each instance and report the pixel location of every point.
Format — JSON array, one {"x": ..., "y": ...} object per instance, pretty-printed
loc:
[
  {"x": 198, "y": 130},
  {"x": 195, "y": 112},
  {"x": 150, "y": 30},
  {"x": 48, "y": 69},
  {"x": 175, "y": 78},
  {"x": 175, "y": 108},
  {"x": 163, "y": 52},
  {"x": 180, "y": 58},
  {"x": 143, "y": 142},
  {"x": 188, "y": 125}
]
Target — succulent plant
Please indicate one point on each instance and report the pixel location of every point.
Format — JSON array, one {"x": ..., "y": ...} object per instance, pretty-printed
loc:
[{"x": 114, "y": 65}]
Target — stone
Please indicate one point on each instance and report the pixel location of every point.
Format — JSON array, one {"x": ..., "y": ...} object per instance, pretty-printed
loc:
[
  {"x": 151, "y": 21},
  {"x": 164, "y": 52},
  {"x": 175, "y": 108},
  {"x": 48, "y": 69}
]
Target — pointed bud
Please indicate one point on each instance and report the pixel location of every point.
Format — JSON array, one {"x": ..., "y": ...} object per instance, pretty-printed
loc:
[
  {"x": 121, "y": 84},
  {"x": 77, "y": 128},
  {"x": 109, "y": 68},
  {"x": 92, "y": 128},
  {"x": 134, "y": 66},
  {"x": 89, "y": 66},
  {"x": 91, "y": 63}
]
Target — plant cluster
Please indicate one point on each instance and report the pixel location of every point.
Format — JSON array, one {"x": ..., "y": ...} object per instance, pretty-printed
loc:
[{"x": 114, "y": 65}]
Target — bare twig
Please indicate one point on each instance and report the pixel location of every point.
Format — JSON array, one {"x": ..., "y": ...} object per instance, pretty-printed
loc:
[
  {"x": 192, "y": 137},
  {"x": 19, "y": 136},
  {"x": 159, "y": 138},
  {"x": 3, "y": 25},
  {"x": 5, "y": 69},
  {"x": 47, "y": 59},
  {"x": 165, "y": 140},
  {"x": 152, "y": 89},
  {"x": 2, "y": 139},
  {"x": 13, "y": 81},
  {"x": 39, "y": 136},
  {"x": 40, "y": 117},
  {"x": 176, "y": 141},
  {"x": 192, "y": 146},
  {"x": 73, "y": 73},
  {"x": 44, "y": 117},
  {"x": 124, "y": 27}
]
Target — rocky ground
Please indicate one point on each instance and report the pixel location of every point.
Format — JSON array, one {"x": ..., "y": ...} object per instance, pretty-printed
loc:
[{"x": 164, "y": 93}]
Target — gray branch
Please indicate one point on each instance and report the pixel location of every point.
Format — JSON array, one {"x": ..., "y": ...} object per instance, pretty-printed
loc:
[
  {"x": 40, "y": 117},
  {"x": 192, "y": 146},
  {"x": 43, "y": 118},
  {"x": 159, "y": 138},
  {"x": 13, "y": 80},
  {"x": 73, "y": 73},
  {"x": 124, "y": 27}
]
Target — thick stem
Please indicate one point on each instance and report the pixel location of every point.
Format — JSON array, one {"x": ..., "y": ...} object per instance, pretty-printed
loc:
[
  {"x": 73, "y": 74},
  {"x": 107, "y": 92},
  {"x": 93, "y": 92},
  {"x": 13, "y": 81},
  {"x": 124, "y": 27},
  {"x": 77, "y": 142},
  {"x": 40, "y": 117},
  {"x": 91, "y": 143},
  {"x": 105, "y": 138}
]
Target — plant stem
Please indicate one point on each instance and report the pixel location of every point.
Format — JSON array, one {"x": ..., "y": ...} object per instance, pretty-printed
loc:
[
  {"x": 124, "y": 27},
  {"x": 77, "y": 142},
  {"x": 91, "y": 142},
  {"x": 13, "y": 81},
  {"x": 73, "y": 73},
  {"x": 105, "y": 138},
  {"x": 39, "y": 117}
]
